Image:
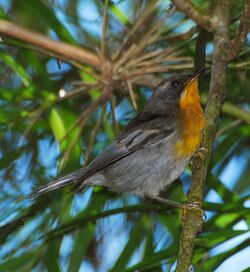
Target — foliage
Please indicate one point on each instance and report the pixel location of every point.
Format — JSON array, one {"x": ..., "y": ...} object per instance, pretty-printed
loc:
[{"x": 55, "y": 119}]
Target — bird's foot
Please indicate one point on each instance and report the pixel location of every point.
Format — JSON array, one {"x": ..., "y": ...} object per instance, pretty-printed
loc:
[
  {"x": 196, "y": 207},
  {"x": 192, "y": 206},
  {"x": 202, "y": 153},
  {"x": 170, "y": 202}
]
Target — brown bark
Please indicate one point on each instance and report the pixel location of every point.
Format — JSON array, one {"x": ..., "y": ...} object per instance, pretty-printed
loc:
[
  {"x": 220, "y": 23},
  {"x": 61, "y": 49}
]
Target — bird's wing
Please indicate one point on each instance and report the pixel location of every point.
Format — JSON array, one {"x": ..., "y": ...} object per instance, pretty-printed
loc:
[
  {"x": 140, "y": 133},
  {"x": 129, "y": 142}
]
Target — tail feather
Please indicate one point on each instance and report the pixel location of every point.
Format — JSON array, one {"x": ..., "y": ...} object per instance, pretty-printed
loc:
[{"x": 72, "y": 178}]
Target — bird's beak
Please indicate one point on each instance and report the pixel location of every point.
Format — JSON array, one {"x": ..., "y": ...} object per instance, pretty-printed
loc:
[{"x": 194, "y": 76}]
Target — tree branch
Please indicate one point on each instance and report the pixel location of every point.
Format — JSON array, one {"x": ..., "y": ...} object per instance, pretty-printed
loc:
[
  {"x": 193, "y": 13},
  {"x": 75, "y": 53},
  {"x": 217, "y": 90},
  {"x": 244, "y": 28},
  {"x": 61, "y": 49}
]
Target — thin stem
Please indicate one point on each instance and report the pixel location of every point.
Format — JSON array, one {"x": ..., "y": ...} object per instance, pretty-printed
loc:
[
  {"x": 113, "y": 106},
  {"x": 104, "y": 29},
  {"x": 193, "y": 13},
  {"x": 85, "y": 118},
  {"x": 228, "y": 127},
  {"x": 80, "y": 118},
  {"x": 94, "y": 133},
  {"x": 169, "y": 202},
  {"x": 132, "y": 94}
]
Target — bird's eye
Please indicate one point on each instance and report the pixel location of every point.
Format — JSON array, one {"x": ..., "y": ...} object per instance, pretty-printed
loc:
[{"x": 175, "y": 83}]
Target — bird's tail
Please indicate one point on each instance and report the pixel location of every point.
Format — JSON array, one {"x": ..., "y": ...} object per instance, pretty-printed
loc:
[{"x": 71, "y": 178}]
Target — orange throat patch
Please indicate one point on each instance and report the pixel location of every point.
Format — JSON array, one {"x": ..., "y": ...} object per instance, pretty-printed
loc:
[{"x": 192, "y": 121}]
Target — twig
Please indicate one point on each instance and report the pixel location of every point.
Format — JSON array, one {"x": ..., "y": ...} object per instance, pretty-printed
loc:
[
  {"x": 181, "y": 37},
  {"x": 244, "y": 28},
  {"x": 79, "y": 119},
  {"x": 142, "y": 18},
  {"x": 131, "y": 94},
  {"x": 163, "y": 60},
  {"x": 83, "y": 122},
  {"x": 32, "y": 120},
  {"x": 149, "y": 68},
  {"x": 113, "y": 106},
  {"x": 156, "y": 57},
  {"x": 147, "y": 39},
  {"x": 124, "y": 57},
  {"x": 13, "y": 226},
  {"x": 192, "y": 12},
  {"x": 104, "y": 28},
  {"x": 78, "y": 91},
  {"x": 229, "y": 126},
  {"x": 150, "y": 37},
  {"x": 148, "y": 55},
  {"x": 243, "y": 65},
  {"x": 94, "y": 133},
  {"x": 232, "y": 110},
  {"x": 156, "y": 69}
]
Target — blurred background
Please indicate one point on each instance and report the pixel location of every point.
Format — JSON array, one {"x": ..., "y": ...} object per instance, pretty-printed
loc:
[{"x": 51, "y": 123}]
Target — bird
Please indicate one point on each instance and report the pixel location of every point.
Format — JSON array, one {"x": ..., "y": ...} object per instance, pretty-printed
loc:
[{"x": 153, "y": 150}]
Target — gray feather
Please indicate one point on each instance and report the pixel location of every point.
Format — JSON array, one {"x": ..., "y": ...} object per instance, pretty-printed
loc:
[{"x": 58, "y": 183}]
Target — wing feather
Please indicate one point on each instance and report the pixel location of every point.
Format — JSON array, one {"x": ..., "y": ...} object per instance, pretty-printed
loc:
[{"x": 126, "y": 145}]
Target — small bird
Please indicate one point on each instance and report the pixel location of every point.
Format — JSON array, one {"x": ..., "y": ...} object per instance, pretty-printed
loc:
[{"x": 154, "y": 148}]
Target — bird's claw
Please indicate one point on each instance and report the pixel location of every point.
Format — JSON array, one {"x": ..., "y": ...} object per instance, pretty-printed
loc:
[
  {"x": 202, "y": 153},
  {"x": 192, "y": 206},
  {"x": 195, "y": 206}
]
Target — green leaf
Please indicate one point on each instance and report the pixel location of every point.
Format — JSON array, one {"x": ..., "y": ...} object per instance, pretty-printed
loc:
[
  {"x": 82, "y": 241},
  {"x": 56, "y": 124},
  {"x": 18, "y": 263},
  {"x": 246, "y": 270},
  {"x": 226, "y": 219},
  {"x": 9, "y": 157},
  {"x": 135, "y": 238},
  {"x": 212, "y": 263},
  {"x": 52, "y": 256},
  {"x": 216, "y": 184},
  {"x": 93, "y": 214},
  {"x": 16, "y": 67},
  {"x": 154, "y": 261},
  {"x": 119, "y": 14},
  {"x": 3, "y": 15},
  {"x": 149, "y": 247},
  {"x": 41, "y": 11},
  {"x": 209, "y": 240}
]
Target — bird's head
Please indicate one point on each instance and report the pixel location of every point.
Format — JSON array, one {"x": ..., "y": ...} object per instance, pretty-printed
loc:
[{"x": 177, "y": 90}]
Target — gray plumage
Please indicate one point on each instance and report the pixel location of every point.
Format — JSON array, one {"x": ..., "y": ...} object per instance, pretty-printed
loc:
[{"x": 138, "y": 161}]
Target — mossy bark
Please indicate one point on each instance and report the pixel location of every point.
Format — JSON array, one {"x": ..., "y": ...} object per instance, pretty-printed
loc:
[{"x": 192, "y": 219}]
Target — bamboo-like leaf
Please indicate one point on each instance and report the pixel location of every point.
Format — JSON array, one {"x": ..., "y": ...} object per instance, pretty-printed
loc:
[
  {"x": 52, "y": 255},
  {"x": 135, "y": 238},
  {"x": 39, "y": 9},
  {"x": 16, "y": 67},
  {"x": 21, "y": 262},
  {"x": 57, "y": 124},
  {"x": 119, "y": 14},
  {"x": 82, "y": 241}
]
